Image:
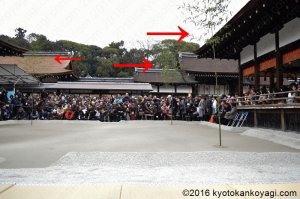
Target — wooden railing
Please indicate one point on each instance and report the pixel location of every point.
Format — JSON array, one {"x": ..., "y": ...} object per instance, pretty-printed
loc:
[
  {"x": 271, "y": 98},
  {"x": 274, "y": 112}
]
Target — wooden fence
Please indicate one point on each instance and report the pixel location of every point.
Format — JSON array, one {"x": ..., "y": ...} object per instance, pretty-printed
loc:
[{"x": 272, "y": 111}]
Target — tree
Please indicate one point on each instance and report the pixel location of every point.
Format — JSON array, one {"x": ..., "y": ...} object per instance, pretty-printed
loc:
[
  {"x": 176, "y": 47},
  {"x": 81, "y": 69},
  {"x": 133, "y": 56},
  {"x": 119, "y": 46},
  {"x": 170, "y": 72},
  {"x": 165, "y": 56},
  {"x": 39, "y": 42},
  {"x": 98, "y": 61},
  {"x": 207, "y": 15},
  {"x": 8, "y": 39},
  {"x": 173, "y": 47},
  {"x": 20, "y": 38},
  {"x": 146, "y": 47},
  {"x": 115, "y": 52},
  {"x": 20, "y": 33},
  {"x": 105, "y": 67}
]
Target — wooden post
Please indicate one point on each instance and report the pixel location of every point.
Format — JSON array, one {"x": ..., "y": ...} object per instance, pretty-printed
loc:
[
  {"x": 272, "y": 81},
  {"x": 283, "y": 123},
  {"x": 32, "y": 104},
  {"x": 195, "y": 90},
  {"x": 279, "y": 75},
  {"x": 255, "y": 118},
  {"x": 256, "y": 68},
  {"x": 241, "y": 79}
]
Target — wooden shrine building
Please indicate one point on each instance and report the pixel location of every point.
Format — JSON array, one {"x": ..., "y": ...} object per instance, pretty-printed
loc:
[
  {"x": 203, "y": 72},
  {"x": 264, "y": 36}
]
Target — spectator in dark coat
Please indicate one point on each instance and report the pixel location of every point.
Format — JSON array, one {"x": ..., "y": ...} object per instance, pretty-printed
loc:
[
  {"x": 207, "y": 104},
  {"x": 230, "y": 115}
]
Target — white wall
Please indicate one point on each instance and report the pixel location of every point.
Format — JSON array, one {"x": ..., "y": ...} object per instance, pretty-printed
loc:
[
  {"x": 154, "y": 89},
  {"x": 204, "y": 89},
  {"x": 184, "y": 89},
  {"x": 266, "y": 44},
  {"x": 163, "y": 89},
  {"x": 170, "y": 89},
  {"x": 247, "y": 54},
  {"x": 290, "y": 32}
]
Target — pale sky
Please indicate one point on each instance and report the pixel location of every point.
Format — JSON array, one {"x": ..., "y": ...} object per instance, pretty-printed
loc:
[{"x": 97, "y": 22}]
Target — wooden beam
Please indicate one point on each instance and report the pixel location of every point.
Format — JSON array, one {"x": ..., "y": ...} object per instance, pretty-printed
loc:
[
  {"x": 279, "y": 73},
  {"x": 241, "y": 78},
  {"x": 272, "y": 80},
  {"x": 256, "y": 70}
]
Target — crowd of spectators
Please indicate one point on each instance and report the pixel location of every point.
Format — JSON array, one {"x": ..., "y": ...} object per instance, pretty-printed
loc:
[
  {"x": 59, "y": 106},
  {"x": 287, "y": 95}
]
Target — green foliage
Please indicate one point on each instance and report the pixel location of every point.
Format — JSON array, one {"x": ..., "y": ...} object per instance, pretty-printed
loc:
[
  {"x": 9, "y": 39},
  {"x": 104, "y": 67},
  {"x": 81, "y": 69},
  {"x": 98, "y": 61},
  {"x": 133, "y": 56},
  {"x": 182, "y": 46},
  {"x": 207, "y": 15},
  {"x": 166, "y": 59},
  {"x": 167, "y": 51},
  {"x": 19, "y": 38},
  {"x": 109, "y": 52},
  {"x": 165, "y": 56},
  {"x": 123, "y": 74},
  {"x": 39, "y": 42},
  {"x": 216, "y": 39},
  {"x": 20, "y": 33}
]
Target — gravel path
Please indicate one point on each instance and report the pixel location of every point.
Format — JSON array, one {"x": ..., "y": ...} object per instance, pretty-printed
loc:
[
  {"x": 163, "y": 168},
  {"x": 142, "y": 152}
]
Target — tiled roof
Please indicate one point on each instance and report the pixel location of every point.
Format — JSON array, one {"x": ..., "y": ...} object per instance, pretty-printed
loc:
[
  {"x": 12, "y": 74},
  {"x": 97, "y": 86},
  {"x": 39, "y": 65},
  {"x": 8, "y": 49},
  {"x": 189, "y": 62},
  {"x": 156, "y": 76}
]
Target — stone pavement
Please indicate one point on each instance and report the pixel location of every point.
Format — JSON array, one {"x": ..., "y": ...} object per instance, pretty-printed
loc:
[{"x": 147, "y": 192}]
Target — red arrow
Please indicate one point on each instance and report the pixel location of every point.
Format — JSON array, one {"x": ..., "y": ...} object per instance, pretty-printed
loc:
[
  {"x": 146, "y": 65},
  {"x": 58, "y": 58},
  {"x": 182, "y": 33}
]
